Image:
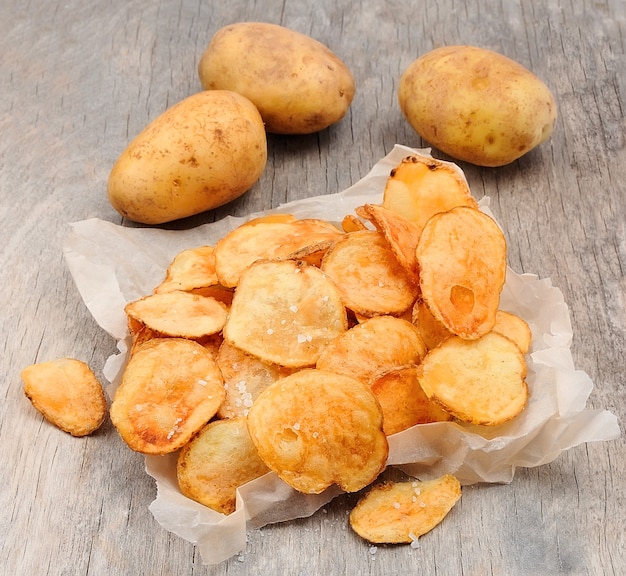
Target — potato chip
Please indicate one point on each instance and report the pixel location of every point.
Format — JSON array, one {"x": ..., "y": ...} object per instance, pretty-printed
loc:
[
  {"x": 477, "y": 381},
  {"x": 179, "y": 313},
  {"x": 216, "y": 462},
  {"x": 431, "y": 330},
  {"x": 401, "y": 234},
  {"x": 171, "y": 387},
  {"x": 369, "y": 277},
  {"x": 373, "y": 347},
  {"x": 267, "y": 240},
  {"x": 401, "y": 512},
  {"x": 190, "y": 269},
  {"x": 316, "y": 428},
  {"x": 462, "y": 260},
  {"x": 420, "y": 187},
  {"x": 67, "y": 393},
  {"x": 285, "y": 312},
  {"x": 515, "y": 328},
  {"x": 245, "y": 377},
  {"x": 350, "y": 223},
  {"x": 403, "y": 402}
]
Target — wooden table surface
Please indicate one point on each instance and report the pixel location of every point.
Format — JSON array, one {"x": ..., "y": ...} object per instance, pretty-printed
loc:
[{"x": 79, "y": 79}]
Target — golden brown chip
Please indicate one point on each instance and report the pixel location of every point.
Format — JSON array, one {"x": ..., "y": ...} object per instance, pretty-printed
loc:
[
  {"x": 245, "y": 377},
  {"x": 420, "y": 187},
  {"x": 316, "y": 428},
  {"x": 515, "y": 328},
  {"x": 373, "y": 347},
  {"x": 477, "y": 381},
  {"x": 190, "y": 269},
  {"x": 179, "y": 313},
  {"x": 401, "y": 512},
  {"x": 369, "y": 277},
  {"x": 67, "y": 393},
  {"x": 171, "y": 387},
  {"x": 462, "y": 260},
  {"x": 351, "y": 223},
  {"x": 216, "y": 462},
  {"x": 285, "y": 312},
  {"x": 267, "y": 240},
  {"x": 403, "y": 401},
  {"x": 401, "y": 234},
  {"x": 432, "y": 331}
]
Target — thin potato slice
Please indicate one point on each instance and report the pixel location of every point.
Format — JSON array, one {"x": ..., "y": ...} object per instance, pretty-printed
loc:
[
  {"x": 401, "y": 234},
  {"x": 462, "y": 260},
  {"x": 316, "y": 428},
  {"x": 190, "y": 269},
  {"x": 477, "y": 381},
  {"x": 245, "y": 377},
  {"x": 171, "y": 387},
  {"x": 179, "y": 314},
  {"x": 267, "y": 240},
  {"x": 515, "y": 328},
  {"x": 371, "y": 280},
  {"x": 420, "y": 187},
  {"x": 285, "y": 312},
  {"x": 67, "y": 393},
  {"x": 433, "y": 332},
  {"x": 401, "y": 512},
  {"x": 216, "y": 462},
  {"x": 403, "y": 401},
  {"x": 350, "y": 223},
  {"x": 372, "y": 347}
]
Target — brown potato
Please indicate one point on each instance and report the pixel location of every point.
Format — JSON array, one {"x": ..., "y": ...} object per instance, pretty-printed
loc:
[
  {"x": 67, "y": 393},
  {"x": 299, "y": 85},
  {"x": 401, "y": 512},
  {"x": 316, "y": 428}
]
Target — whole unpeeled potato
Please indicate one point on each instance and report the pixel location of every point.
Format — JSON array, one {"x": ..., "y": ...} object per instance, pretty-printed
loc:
[
  {"x": 201, "y": 153},
  {"x": 476, "y": 105},
  {"x": 298, "y": 84}
]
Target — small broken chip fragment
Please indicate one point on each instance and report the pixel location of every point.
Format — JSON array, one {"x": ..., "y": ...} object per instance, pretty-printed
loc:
[
  {"x": 315, "y": 428},
  {"x": 219, "y": 459},
  {"x": 401, "y": 512},
  {"x": 372, "y": 347},
  {"x": 67, "y": 393},
  {"x": 515, "y": 328},
  {"x": 368, "y": 275},
  {"x": 285, "y": 312},
  {"x": 462, "y": 261},
  {"x": 477, "y": 381},
  {"x": 171, "y": 387}
]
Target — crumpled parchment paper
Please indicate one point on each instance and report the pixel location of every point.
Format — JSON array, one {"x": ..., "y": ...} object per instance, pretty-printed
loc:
[{"x": 113, "y": 265}]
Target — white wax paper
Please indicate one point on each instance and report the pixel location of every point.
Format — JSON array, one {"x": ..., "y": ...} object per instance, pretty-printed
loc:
[{"x": 113, "y": 265}]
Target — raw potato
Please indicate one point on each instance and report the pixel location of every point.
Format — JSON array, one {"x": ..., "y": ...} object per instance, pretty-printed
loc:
[
  {"x": 299, "y": 85},
  {"x": 199, "y": 154},
  {"x": 476, "y": 105},
  {"x": 67, "y": 393}
]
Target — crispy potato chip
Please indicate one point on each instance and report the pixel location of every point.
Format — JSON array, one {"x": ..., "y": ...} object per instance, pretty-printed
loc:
[
  {"x": 245, "y": 377},
  {"x": 171, "y": 387},
  {"x": 420, "y": 187},
  {"x": 403, "y": 401},
  {"x": 477, "y": 381},
  {"x": 401, "y": 512},
  {"x": 67, "y": 393},
  {"x": 373, "y": 347},
  {"x": 267, "y": 240},
  {"x": 179, "y": 314},
  {"x": 285, "y": 312},
  {"x": 432, "y": 331},
  {"x": 218, "y": 292},
  {"x": 190, "y": 269},
  {"x": 401, "y": 234},
  {"x": 351, "y": 223},
  {"x": 462, "y": 260},
  {"x": 316, "y": 428},
  {"x": 515, "y": 328},
  {"x": 369, "y": 277},
  {"x": 216, "y": 462}
]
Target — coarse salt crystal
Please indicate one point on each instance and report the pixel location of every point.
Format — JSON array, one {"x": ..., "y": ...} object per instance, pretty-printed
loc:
[
  {"x": 296, "y": 426},
  {"x": 396, "y": 505},
  {"x": 202, "y": 382},
  {"x": 270, "y": 331},
  {"x": 293, "y": 308},
  {"x": 302, "y": 338}
]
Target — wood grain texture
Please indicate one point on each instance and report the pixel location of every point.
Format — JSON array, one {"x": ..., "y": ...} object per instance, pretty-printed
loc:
[{"x": 79, "y": 79}]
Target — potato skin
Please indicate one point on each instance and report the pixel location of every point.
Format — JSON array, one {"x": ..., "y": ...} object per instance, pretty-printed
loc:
[
  {"x": 201, "y": 153},
  {"x": 298, "y": 84},
  {"x": 476, "y": 105}
]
